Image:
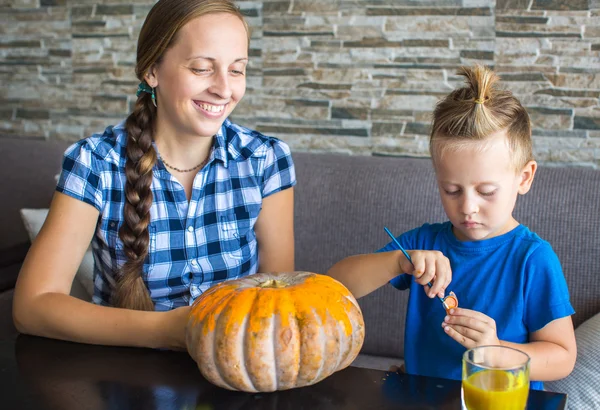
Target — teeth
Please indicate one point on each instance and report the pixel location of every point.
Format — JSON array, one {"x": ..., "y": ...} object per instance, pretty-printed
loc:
[{"x": 212, "y": 108}]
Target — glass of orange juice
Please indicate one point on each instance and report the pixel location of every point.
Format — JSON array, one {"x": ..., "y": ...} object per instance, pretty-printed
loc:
[{"x": 495, "y": 377}]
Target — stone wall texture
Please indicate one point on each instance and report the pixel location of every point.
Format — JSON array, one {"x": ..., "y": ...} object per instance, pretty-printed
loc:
[{"x": 350, "y": 76}]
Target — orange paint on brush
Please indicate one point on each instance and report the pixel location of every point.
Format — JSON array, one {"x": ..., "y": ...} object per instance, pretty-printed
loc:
[{"x": 450, "y": 302}]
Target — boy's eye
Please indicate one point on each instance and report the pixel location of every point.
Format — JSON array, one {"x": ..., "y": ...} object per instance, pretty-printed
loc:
[
  {"x": 237, "y": 72},
  {"x": 491, "y": 193},
  {"x": 452, "y": 192}
]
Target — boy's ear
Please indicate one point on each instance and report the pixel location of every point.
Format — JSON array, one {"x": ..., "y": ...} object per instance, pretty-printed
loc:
[{"x": 527, "y": 175}]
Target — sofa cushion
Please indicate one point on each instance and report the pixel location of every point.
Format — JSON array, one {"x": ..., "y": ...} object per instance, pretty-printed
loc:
[
  {"x": 583, "y": 384},
  {"x": 33, "y": 219}
]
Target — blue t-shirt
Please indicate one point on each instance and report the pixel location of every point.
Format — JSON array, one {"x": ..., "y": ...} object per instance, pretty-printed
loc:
[{"x": 515, "y": 278}]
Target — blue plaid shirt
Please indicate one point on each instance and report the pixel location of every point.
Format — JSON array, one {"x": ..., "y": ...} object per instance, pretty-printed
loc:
[{"x": 194, "y": 244}]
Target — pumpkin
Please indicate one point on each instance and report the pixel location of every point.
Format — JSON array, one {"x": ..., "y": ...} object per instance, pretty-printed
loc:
[{"x": 267, "y": 331}]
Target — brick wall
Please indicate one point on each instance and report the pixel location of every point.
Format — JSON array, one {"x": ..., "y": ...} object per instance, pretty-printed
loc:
[{"x": 350, "y": 76}]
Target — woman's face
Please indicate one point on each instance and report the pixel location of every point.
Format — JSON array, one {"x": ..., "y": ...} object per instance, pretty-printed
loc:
[{"x": 201, "y": 77}]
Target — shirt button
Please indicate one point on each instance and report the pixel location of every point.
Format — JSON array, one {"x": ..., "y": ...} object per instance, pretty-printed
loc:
[
  {"x": 194, "y": 262},
  {"x": 190, "y": 228}
]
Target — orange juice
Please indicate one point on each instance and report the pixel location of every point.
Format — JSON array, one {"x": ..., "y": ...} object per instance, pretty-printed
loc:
[{"x": 496, "y": 390}]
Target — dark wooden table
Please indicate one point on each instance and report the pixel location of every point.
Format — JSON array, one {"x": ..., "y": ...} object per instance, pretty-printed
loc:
[{"x": 38, "y": 373}]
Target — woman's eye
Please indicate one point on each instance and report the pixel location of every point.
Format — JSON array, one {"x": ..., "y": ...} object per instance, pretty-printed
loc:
[
  {"x": 238, "y": 70},
  {"x": 199, "y": 70}
]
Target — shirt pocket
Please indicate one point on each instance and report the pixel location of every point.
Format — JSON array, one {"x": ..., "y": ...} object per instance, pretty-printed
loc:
[
  {"x": 236, "y": 230},
  {"x": 236, "y": 235}
]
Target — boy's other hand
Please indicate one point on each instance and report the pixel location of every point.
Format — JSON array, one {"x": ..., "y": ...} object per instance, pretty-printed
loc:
[
  {"x": 470, "y": 328},
  {"x": 429, "y": 266}
]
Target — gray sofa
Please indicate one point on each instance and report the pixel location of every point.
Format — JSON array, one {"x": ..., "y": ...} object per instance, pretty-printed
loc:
[{"x": 342, "y": 204}]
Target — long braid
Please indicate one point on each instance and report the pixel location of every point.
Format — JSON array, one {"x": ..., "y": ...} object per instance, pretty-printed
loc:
[{"x": 131, "y": 291}]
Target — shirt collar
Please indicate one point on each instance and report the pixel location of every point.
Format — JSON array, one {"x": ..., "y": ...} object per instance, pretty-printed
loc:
[{"x": 220, "y": 145}]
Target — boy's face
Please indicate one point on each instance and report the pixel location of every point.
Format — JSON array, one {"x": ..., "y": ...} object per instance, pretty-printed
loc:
[{"x": 479, "y": 185}]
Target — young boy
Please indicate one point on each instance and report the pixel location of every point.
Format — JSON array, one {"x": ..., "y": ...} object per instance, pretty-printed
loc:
[{"x": 508, "y": 281}]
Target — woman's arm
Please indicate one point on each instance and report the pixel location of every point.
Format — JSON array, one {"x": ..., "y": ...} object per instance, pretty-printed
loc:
[
  {"x": 275, "y": 232},
  {"x": 42, "y": 305}
]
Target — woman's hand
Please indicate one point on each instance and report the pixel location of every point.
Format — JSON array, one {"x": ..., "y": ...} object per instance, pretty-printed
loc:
[
  {"x": 429, "y": 266},
  {"x": 470, "y": 328}
]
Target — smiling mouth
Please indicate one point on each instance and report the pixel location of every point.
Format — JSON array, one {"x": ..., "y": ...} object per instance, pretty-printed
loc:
[{"x": 210, "y": 108}]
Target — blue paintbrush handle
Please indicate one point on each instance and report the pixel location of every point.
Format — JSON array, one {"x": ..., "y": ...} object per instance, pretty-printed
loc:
[{"x": 406, "y": 254}]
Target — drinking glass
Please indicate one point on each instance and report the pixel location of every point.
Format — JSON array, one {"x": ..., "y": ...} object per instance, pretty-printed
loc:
[{"x": 495, "y": 377}]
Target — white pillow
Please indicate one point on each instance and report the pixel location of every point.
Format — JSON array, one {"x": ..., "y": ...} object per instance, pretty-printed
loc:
[
  {"x": 583, "y": 384},
  {"x": 83, "y": 286},
  {"x": 33, "y": 219}
]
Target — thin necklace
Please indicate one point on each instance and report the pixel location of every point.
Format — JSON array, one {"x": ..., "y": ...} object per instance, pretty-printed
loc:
[{"x": 184, "y": 170}]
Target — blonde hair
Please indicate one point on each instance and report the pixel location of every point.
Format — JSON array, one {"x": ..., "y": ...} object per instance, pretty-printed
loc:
[
  {"x": 158, "y": 33},
  {"x": 478, "y": 110}
]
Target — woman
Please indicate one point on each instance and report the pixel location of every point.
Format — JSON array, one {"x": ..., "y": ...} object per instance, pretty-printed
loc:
[{"x": 174, "y": 200}]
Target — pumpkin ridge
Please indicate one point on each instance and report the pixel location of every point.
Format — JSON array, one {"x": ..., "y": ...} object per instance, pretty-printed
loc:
[
  {"x": 287, "y": 341},
  {"x": 239, "y": 313},
  {"x": 274, "y": 338},
  {"x": 360, "y": 326},
  {"x": 322, "y": 340},
  {"x": 339, "y": 286},
  {"x": 341, "y": 352},
  {"x": 243, "y": 368},
  {"x": 205, "y": 303},
  {"x": 210, "y": 313},
  {"x": 335, "y": 303},
  {"x": 216, "y": 362},
  {"x": 260, "y": 330},
  {"x": 346, "y": 354},
  {"x": 308, "y": 351}
]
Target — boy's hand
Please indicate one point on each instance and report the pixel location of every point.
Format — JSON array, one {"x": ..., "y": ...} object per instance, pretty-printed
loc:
[
  {"x": 470, "y": 328},
  {"x": 429, "y": 266}
]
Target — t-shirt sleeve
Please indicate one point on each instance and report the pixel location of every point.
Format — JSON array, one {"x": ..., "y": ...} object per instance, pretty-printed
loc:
[
  {"x": 546, "y": 292},
  {"x": 407, "y": 241},
  {"x": 80, "y": 175},
  {"x": 279, "y": 173}
]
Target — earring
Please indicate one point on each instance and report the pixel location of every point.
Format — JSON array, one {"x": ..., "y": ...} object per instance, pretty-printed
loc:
[{"x": 153, "y": 97}]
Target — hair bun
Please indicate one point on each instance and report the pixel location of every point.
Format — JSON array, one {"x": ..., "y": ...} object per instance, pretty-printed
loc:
[{"x": 481, "y": 83}]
